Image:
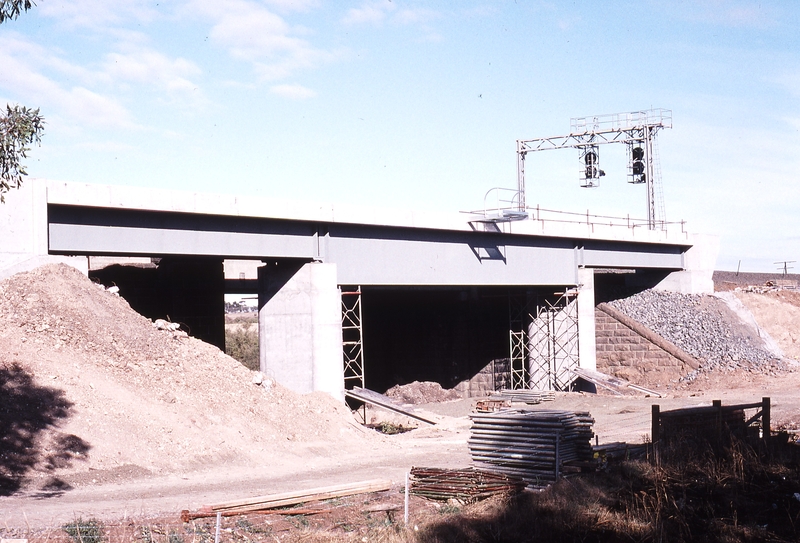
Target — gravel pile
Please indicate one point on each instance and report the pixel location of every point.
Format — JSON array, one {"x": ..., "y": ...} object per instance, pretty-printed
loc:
[{"x": 702, "y": 326}]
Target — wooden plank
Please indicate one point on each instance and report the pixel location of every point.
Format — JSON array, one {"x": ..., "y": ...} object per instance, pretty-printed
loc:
[
  {"x": 293, "y": 498},
  {"x": 598, "y": 379},
  {"x": 645, "y": 390},
  {"x": 609, "y": 382},
  {"x": 375, "y": 398}
]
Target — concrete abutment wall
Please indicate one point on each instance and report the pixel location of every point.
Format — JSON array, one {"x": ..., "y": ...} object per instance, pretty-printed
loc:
[{"x": 300, "y": 326}]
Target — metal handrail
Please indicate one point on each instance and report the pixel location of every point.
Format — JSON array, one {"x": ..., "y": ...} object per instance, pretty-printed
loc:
[{"x": 571, "y": 217}]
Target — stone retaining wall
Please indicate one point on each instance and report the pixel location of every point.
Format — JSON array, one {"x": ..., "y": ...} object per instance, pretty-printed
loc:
[
  {"x": 496, "y": 375},
  {"x": 623, "y": 353}
]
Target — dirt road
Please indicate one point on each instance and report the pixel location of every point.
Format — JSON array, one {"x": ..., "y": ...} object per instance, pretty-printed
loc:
[{"x": 617, "y": 419}]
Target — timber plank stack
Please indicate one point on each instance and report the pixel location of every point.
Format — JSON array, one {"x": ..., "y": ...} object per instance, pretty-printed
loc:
[
  {"x": 464, "y": 485},
  {"x": 530, "y": 444},
  {"x": 524, "y": 396}
]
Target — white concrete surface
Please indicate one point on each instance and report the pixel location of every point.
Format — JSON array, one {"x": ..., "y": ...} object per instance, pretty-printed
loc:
[
  {"x": 23, "y": 222},
  {"x": 587, "y": 341},
  {"x": 300, "y": 330},
  {"x": 699, "y": 263}
]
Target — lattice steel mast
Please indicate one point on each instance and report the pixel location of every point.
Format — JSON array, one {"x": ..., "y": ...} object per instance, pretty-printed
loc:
[{"x": 637, "y": 130}]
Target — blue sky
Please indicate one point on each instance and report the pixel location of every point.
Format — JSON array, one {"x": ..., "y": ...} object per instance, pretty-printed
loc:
[{"x": 418, "y": 105}]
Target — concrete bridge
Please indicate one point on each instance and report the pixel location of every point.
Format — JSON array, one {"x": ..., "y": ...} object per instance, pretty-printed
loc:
[{"x": 443, "y": 294}]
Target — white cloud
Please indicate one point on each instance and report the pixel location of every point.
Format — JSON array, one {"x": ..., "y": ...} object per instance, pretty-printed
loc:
[
  {"x": 98, "y": 14},
  {"x": 22, "y": 62},
  {"x": 376, "y": 13},
  {"x": 372, "y": 13},
  {"x": 96, "y": 109},
  {"x": 794, "y": 122},
  {"x": 295, "y": 92},
  {"x": 153, "y": 69},
  {"x": 731, "y": 13},
  {"x": 293, "y": 5},
  {"x": 788, "y": 81},
  {"x": 415, "y": 16},
  {"x": 254, "y": 34}
]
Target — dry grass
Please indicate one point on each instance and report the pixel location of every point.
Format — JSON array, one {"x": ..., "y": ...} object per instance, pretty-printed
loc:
[
  {"x": 737, "y": 494},
  {"x": 740, "y": 494}
]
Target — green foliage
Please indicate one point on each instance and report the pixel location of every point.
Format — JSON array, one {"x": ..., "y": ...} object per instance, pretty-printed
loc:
[
  {"x": 389, "y": 428},
  {"x": 10, "y": 9},
  {"x": 19, "y": 127},
  {"x": 242, "y": 344},
  {"x": 85, "y": 531}
]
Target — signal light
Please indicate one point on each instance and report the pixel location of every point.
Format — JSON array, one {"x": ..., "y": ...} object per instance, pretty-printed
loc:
[
  {"x": 637, "y": 165},
  {"x": 591, "y": 170}
]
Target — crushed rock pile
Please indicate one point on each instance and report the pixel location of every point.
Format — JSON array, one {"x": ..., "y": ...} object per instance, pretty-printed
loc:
[
  {"x": 90, "y": 385},
  {"x": 704, "y": 327}
]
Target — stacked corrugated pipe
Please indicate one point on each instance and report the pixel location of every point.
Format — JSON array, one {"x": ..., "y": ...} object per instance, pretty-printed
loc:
[{"x": 530, "y": 444}]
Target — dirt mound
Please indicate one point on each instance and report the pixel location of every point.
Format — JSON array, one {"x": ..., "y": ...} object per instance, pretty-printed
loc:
[
  {"x": 725, "y": 280},
  {"x": 778, "y": 313},
  {"x": 420, "y": 392},
  {"x": 92, "y": 390}
]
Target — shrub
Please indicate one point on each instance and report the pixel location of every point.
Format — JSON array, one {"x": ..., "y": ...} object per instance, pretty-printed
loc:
[
  {"x": 85, "y": 531},
  {"x": 242, "y": 344}
]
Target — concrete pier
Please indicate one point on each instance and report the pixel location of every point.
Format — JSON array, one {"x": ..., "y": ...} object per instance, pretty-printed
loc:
[{"x": 300, "y": 326}]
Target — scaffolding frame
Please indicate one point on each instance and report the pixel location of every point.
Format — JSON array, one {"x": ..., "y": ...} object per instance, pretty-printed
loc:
[
  {"x": 543, "y": 340},
  {"x": 553, "y": 342},
  {"x": 518, "y": 315},
  {"x": 352, "y": 337}
]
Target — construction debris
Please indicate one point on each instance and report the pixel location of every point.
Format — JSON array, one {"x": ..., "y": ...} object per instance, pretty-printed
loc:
[
  {"x": 531, "y": 397},
  {"x": 380, "y": 400},
  {"x": 531, "y": 445},
  {"x": 619, "y": 450},
  {"x": 466, "y": 485},
  {"x": 488, "y": 406},
  {"x": 274, "y": 501},
  {"x": 609, "y": 382},
  {"x": 161, "y": 324}
]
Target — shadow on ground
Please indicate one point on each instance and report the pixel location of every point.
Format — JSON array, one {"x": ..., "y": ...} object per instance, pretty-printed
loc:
[
  {"x": 27, "y": 412},
  {"x": 737, "y": 495}
]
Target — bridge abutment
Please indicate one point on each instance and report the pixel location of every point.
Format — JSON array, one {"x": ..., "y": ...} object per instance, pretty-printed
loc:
[{"x": 300, "y": 326}]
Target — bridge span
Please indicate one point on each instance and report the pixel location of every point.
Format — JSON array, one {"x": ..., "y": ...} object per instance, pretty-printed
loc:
[{"x": 349, "y": 295}]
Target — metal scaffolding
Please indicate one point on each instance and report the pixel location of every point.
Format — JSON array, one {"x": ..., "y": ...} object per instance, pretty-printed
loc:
[
  {"x": 553, "y": 342},
  {"x": 352, "y": 337},
  {"x": 543, "y": 340},
  {"x": 518, "y": 317}
]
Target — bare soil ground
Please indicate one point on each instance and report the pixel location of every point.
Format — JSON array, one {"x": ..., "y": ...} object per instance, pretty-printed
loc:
[
  {"x": 777, "y": 313},
  {"x": 104, "y": 416}
]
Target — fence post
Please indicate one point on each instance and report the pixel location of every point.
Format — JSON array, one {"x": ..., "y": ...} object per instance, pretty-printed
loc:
[
  {"x": 718, "y": 405},
  {"x": 655, "y": 430},
  {"x": 765, "y": 418}
]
